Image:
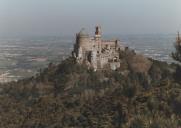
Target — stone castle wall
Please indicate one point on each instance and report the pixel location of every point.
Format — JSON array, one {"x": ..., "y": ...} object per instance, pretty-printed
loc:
[{"x": 97, "y": 53}]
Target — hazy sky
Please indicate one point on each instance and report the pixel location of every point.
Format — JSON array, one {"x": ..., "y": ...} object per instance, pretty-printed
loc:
[{"x": 57, "y": 17}]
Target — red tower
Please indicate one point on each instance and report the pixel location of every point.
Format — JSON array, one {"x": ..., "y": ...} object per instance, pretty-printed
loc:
[{"x": 98, "y": 31}]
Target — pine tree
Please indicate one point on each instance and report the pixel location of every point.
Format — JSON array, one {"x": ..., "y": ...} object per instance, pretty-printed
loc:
[{"x": 177, "y": 54}]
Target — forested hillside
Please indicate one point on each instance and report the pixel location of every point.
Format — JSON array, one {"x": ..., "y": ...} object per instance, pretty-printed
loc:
[{"x": 143, "y": 93}]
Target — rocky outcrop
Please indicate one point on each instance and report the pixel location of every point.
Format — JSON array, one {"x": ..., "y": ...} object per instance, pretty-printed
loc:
[{"x": 139, "y": 64}]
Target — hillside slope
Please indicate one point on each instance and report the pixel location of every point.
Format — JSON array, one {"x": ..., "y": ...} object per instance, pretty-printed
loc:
[{"x": 143, "y": 93}]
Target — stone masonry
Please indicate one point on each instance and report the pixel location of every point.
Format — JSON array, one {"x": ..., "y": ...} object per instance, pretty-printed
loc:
[{"x": 97, "y": 53}]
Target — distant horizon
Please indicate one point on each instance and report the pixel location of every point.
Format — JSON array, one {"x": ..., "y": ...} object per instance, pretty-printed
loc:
[{"x": 91, "y": 34}]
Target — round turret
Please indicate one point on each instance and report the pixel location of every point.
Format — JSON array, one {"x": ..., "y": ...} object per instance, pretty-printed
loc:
[
  {"x": 83, "y": 39},
  {"x": 83, "y": 33}
]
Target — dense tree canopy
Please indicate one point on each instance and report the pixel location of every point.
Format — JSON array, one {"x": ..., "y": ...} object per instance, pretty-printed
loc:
[{"x": 69, "y": 95}]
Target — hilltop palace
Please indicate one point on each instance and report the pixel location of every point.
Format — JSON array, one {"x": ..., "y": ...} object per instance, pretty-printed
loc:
[{"x": 95, "y": 52}]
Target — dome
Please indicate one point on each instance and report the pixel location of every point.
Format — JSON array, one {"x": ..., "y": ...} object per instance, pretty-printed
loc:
[{"x": 83, "y": 33}]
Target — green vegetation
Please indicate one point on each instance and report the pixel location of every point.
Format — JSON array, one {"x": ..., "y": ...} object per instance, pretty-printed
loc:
[{"x": 69, "y": 95}]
